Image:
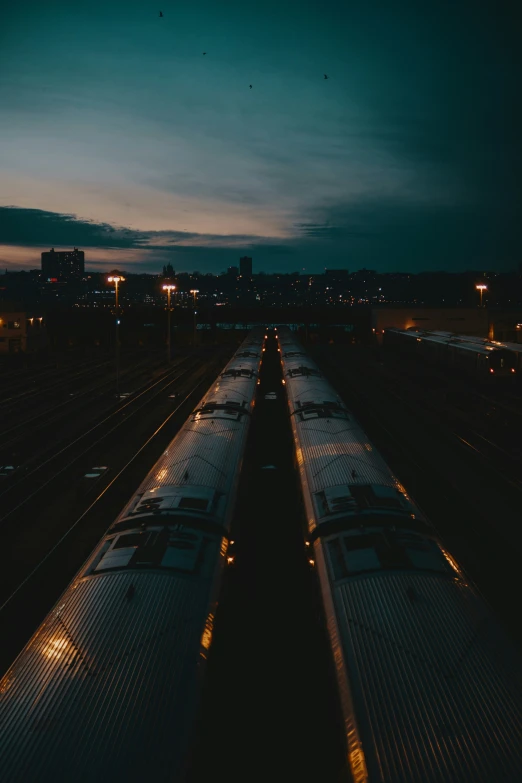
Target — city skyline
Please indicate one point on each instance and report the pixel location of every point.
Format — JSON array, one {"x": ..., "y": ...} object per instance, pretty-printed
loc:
[{"x": 121, "y": 138}]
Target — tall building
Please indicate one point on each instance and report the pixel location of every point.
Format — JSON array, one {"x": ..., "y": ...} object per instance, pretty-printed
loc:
[
  {"x": 245, "y": 267},
  {"x": 63, "y": 264}
]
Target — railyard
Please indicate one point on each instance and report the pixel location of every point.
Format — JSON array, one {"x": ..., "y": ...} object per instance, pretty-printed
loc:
[{"x": 270, "y": 653}]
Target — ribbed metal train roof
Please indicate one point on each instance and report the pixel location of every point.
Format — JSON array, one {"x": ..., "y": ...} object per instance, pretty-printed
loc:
[
  {"x": 113, "y": 678},
  {"x": 431, "y": 688},
  {"x": 207, "y": 450},
  {"x": 437, "y": 688},
  {"x": 333, "y": 448},
  {"x": 108, "y": 687}
]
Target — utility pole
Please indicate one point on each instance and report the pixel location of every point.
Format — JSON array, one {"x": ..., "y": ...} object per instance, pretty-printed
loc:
[
  {"x": 481, "y": 288},
  {"x": 194, "y": 291},
  {"x": 117, "y": 279},
  {"x": 168, "y": 289}
]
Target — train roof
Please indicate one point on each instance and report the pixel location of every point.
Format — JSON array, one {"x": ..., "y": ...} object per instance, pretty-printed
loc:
[
  {"x": 345, "y": 473},
  {"x": 460, "y": 343},
  {"x": 96, "y": 694},
  {"x": 435, "y": 679},
  {"x": 108, "y": 686},
  {"x": 430, "y": 685}
]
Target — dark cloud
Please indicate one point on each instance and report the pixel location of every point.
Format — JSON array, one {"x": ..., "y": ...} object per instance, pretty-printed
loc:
[
  {"x": 383, "y": 234},
  {"x": 28, "y": 227},
  {"x": 39, "y": 229},
  {"x": 36, "y": 227},
  {"x": 330, "y": 232}
]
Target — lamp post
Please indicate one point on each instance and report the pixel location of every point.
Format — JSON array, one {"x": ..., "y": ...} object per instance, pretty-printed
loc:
[
  {"x": 481, "y": 288},
  {"x": 117, "y": 279},
  {"x": 194, "y": 291},
  {"x": 168, "y": 289}
]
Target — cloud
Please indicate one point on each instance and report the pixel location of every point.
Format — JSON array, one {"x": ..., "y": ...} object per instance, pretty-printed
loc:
[
  {"x": 37, "y": 227},
  {"x": 331, "y": 232},
  {"x": 24, "y": 233}
]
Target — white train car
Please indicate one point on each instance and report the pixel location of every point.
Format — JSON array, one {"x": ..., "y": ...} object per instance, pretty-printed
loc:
[
  {"x": 430, "y": 686},
  {"x": 108, "y": 687}
]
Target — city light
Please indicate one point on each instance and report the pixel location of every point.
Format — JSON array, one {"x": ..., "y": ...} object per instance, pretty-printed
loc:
[
  {"x": 117, "y": 279},
  {"x": 168, "y": 288},
  {"x": 194, "y": 292},
  {"x": 481, "y": 288}
]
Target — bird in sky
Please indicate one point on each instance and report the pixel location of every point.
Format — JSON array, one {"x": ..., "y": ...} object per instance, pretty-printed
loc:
[
  {"x": 204, "y": 52},
  {"x": 250, "y": 86},
  {"x": 326, "y": 76},
  {"x": 161, "y": 13}
]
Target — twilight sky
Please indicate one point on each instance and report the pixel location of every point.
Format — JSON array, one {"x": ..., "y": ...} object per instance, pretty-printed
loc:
[{"x": 118, "y": 136}]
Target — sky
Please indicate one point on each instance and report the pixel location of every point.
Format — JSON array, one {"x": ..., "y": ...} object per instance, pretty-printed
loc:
[{"x": 120, "y": 137}]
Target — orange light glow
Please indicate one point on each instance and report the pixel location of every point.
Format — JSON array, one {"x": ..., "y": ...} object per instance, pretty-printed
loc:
[
  {"x": 453, "y": 563},
  {"x": 206, "y": 638},
  {"x": 57, "y": 648},
  {"x": 358, "y": 765}
]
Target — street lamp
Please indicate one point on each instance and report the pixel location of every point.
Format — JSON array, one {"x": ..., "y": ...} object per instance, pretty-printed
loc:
[
  {"x": 117, "y": 279},
  {"x": 481, "y": 288},
  {"x": 194, "y": 291},
  {"x": 168, "y": 289}
]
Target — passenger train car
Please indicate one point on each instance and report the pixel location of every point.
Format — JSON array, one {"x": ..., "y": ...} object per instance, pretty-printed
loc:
[
  {"x": 479, "y": 359},
  {"x": 107, "y": 689},
  {"x": 430, "y": 686},
  {"x": 515, "y": 348}
]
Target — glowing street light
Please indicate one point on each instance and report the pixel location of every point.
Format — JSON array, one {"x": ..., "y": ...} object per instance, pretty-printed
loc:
[
  {"x": 481, "y": 288},
  {"x": 194, "y": 291},
  {"x": 117, "y": 279},
  {"x": 168, "y": 288}
]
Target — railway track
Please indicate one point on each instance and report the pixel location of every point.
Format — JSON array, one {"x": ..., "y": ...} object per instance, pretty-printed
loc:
[
  {"x": 11, "y": 436},
  {"x": 47, "y": 537},
  {"x": 16, "y": 394},
  {"x": 39, "y": 473}
]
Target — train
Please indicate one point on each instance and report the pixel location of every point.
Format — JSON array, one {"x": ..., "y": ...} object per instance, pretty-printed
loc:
[
  {"x": 108, "y": 687},
  {"x": 474, "y": 357},
  {"x": 515, "y": 348},
  {"x": 429, "y": 684}
]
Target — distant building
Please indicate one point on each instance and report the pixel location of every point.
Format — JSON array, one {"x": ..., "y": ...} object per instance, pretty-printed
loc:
[
  {"x": 233, "y": 271},
  {"x": 21, "y": 331},
  {"x": 63, "y": 265},
  {"x": 336, "y": 275},
  {"x": 245, "y": 267}
]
